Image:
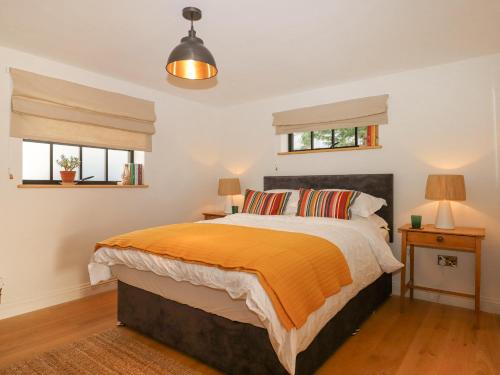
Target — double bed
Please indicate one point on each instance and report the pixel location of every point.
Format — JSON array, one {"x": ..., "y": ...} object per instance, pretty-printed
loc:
[{"x": 226, "y": 319}]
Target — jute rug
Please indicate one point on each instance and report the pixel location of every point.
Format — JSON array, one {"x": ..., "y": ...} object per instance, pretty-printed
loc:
[{"x": 110, "y": 352}]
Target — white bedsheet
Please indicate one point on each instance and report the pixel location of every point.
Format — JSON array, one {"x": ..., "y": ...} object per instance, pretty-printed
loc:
[
  {"x": 213, "y": 301},
  {"x": 363, "y": 245}
]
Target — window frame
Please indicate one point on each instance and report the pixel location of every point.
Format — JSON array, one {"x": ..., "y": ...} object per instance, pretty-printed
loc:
[
  {"x": 51, "y": 181},
  {"x": 291, "y": 141}
]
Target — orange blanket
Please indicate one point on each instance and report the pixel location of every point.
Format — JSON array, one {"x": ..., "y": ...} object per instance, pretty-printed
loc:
[{"x": 298, "y": 271}]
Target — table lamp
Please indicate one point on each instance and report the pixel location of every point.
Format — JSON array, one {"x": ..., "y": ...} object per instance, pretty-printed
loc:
[
  {"x": 445, "y": 188},
  {"x": 229, "y": 187}
]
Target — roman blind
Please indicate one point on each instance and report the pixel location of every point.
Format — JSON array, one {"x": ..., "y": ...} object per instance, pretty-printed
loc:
[
  {"x": 54, "y": 110},
  {"x": 347, "y": 114}
]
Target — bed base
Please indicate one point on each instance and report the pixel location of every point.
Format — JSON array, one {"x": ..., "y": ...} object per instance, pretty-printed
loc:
[{"x": 234, "y": 347}]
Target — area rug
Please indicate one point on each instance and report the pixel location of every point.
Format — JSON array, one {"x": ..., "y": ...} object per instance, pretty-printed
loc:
[{"x": 110, "y": 352}]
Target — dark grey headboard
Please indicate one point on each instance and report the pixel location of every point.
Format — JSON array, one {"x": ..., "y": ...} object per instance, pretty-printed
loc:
[{"x": 378, "y": 185}]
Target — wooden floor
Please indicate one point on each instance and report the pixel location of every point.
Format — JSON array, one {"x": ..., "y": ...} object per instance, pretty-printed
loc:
[{"x": 427, "y": 338}]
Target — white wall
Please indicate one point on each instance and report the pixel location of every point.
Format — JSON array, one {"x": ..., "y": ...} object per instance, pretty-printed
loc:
[
  {"x": 47, "y": 235},
  {"x": 442, "y": 120}
]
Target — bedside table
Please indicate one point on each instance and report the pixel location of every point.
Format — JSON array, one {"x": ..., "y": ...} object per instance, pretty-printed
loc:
[
  {"x": 458, "y": 239},
  {"x": 214, "y": 215}
]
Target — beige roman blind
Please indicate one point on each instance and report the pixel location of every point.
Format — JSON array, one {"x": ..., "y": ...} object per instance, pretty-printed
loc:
[
  {"x": 347, "y": 114},
  {"x": 54, "y": 110}
]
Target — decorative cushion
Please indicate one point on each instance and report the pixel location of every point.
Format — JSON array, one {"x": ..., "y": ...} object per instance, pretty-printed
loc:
[
  {"x": 260, "y": 203},
  {"x": 365, "y": 204},
  {"x": 323, "y": 203},
  {"x": 291, "y": 206}
]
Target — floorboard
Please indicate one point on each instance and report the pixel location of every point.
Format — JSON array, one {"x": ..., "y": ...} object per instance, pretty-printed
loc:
[{"x": 427, "y": 338}]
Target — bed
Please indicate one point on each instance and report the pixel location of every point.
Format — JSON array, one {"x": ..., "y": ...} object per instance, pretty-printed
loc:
[{"x": 226, "y": 331}]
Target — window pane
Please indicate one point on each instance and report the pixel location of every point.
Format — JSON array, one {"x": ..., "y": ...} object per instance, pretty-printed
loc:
[
  {"x": 322, "y": 139},
  {"x": 116, "y": 161},
  {"x": 345, "y": 137},
  {"x": 139, "y": 157},
  {"x": 94, "y": 160},
  {"x": 67, "y": 151},
  {"x": 362, "y": 136},
  {"x": 36, "y": 161},
  {"x": 302, "y": 141}
]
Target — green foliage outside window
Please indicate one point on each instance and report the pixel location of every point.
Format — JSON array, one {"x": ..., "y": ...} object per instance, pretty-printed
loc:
[{"x": 345, "y": 137}]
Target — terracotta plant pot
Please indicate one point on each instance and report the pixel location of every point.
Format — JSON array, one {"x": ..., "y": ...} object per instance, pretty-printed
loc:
[{"x": 68, "y": 177}]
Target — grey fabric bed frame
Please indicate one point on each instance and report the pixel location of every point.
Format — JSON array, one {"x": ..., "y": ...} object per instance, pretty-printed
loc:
[{"x": 241, "y": 348}]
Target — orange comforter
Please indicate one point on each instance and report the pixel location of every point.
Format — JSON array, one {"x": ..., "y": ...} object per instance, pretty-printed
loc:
[{"x": 298, "y": 271}]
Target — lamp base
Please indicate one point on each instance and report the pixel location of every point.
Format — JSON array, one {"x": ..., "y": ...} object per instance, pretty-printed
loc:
[
  {"x": 228, "y": 206},
  {"x": 444, "y": 217}
]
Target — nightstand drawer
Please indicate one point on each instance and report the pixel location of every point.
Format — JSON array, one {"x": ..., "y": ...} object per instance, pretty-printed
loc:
[
  {"x": 211, "y": 217},
  {"x": 440, "y": 240},
  {"x": 214, "y": 215}
]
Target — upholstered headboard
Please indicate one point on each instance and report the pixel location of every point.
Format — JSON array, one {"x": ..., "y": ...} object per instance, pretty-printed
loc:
[{"x": 378, "y": 185}]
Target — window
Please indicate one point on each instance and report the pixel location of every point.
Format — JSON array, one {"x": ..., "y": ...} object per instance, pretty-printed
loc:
[
  {"x": 334, "y": 138},
  {"x": 99, "y": 166}
]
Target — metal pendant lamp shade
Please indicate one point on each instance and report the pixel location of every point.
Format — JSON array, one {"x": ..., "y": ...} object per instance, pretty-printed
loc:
[{"x": 191, "y": 59}]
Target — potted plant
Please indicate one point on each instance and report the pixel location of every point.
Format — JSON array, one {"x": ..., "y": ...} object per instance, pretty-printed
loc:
[{"x": 69, "y": 165}]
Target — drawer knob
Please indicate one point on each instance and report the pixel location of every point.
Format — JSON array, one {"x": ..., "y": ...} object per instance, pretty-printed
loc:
[{"x": 439, "y": 238}]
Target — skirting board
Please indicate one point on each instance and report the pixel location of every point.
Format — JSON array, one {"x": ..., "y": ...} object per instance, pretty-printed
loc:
[
  {"x": 488, "y": 305},
  {"x": 56, "y": 297}
]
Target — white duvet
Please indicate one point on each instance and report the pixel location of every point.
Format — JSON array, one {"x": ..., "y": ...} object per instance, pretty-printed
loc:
[{"x": 361, "y": 242}]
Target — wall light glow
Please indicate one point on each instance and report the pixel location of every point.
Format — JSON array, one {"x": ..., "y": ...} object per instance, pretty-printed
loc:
[{"x": 449, "y": 160}]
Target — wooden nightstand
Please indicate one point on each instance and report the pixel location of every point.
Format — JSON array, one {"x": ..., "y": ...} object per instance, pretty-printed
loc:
[
  {"x": 214, "y": 215},
  {"x": 459, "y": 239}
]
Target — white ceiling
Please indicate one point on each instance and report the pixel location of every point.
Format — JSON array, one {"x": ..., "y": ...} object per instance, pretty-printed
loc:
[{"x": 262, "y": 47}]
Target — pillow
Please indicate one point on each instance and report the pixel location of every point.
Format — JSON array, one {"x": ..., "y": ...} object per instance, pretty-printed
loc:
[
  {"x": 378, "y": 221},
  {"x": 322, "y": 203},
  {"x": 260, "y": 203},
  {"x": 374, "y": 219},
  {"x": 366, "y": 204},
  {"x": 293, "y": 201}
]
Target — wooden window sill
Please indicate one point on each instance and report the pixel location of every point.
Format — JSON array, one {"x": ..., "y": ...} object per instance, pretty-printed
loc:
[
  {"x": 42, "y": 186},
  {"x": 330, "y": 150}
]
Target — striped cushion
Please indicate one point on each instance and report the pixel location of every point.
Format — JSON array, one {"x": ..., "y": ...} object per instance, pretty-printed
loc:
[
  {"x": 260, "y": 203},
  {"x": 336, "y": 204}
]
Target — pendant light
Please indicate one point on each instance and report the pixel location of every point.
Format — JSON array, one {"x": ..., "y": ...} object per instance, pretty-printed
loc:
[{"x": 191, "y": 59}]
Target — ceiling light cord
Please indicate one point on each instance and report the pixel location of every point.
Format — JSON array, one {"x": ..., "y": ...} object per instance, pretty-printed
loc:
[{"x": 192, "y": 31}]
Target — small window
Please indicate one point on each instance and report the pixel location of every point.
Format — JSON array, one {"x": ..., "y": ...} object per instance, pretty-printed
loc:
[
  {"x": 36, "y": 161},
  {"x": 95, "y": 164},
  {"x": 66, "y": 150},
  {"x": 334, "y": 138},
  {"x": 116, "y": 160},
  {"x": 322, "y": 139},
  {"x": 100, "y": 166}
]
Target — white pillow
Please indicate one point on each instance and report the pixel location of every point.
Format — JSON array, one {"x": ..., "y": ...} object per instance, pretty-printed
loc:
[
  {"x": 293, "y": 202},
  {"x": 375, "y": 219},
  {"x": 366, "y": 205}
]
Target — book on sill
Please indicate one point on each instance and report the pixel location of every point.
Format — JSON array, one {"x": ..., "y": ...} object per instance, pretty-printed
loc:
[
  {"x": 371, "y": 135},
  {"x": 133, "y": 174}
]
